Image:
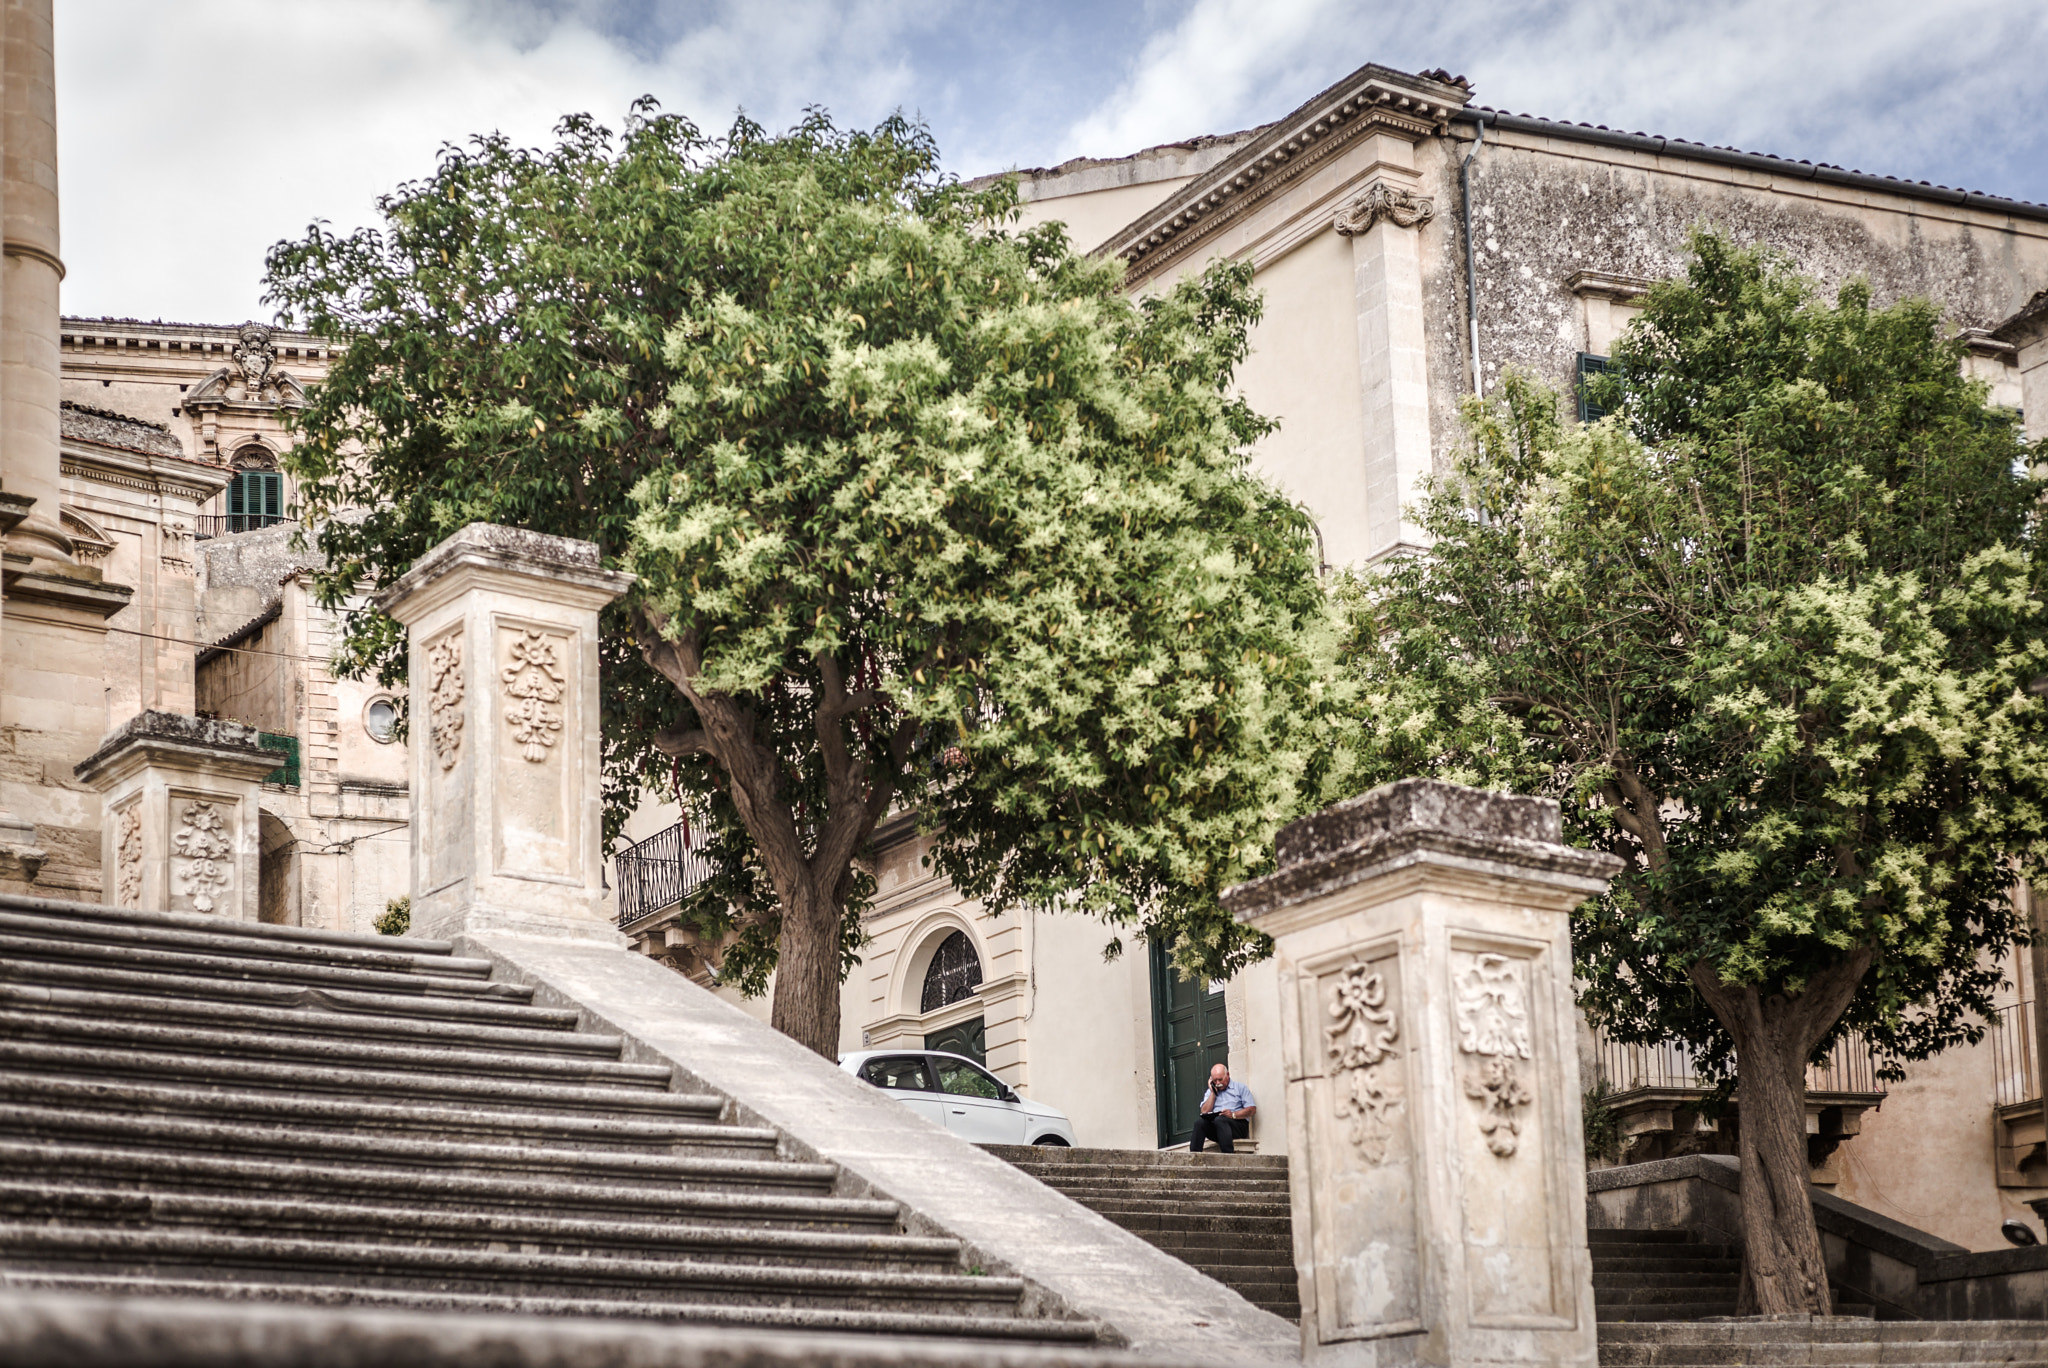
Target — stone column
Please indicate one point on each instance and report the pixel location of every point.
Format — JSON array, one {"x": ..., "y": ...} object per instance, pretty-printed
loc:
[
  {"x": 1384, "y": 222},
  {"x": 179, "y": 814},
  {"x": 507, "y": 801},
  {"x": 1433, "y": 1104},
  {"x": 29, "y": 273}
]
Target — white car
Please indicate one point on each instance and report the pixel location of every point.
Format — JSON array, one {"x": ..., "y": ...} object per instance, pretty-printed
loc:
[{"x": 960, "y": 1095}]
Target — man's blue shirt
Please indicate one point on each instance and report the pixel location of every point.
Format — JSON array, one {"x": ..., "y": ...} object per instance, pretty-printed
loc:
[{"x": 1234, "y": 1097}]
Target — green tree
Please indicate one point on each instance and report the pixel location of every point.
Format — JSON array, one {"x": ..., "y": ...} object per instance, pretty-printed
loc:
[
  {"x": 925, "y": 513},
  {"x": 1768, "y": 635}
]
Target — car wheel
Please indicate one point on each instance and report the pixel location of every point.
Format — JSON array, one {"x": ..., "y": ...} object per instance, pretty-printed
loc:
[{"x": 1051, "y": 1142}]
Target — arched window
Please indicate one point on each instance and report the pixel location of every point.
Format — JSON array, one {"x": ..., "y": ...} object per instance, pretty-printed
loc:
[
  {"x": 256, "y": 498},
  {"x": 955, "y": 973}
]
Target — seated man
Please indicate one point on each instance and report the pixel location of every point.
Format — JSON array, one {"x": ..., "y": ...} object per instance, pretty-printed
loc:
[{"x": 1227, "y": 1110}]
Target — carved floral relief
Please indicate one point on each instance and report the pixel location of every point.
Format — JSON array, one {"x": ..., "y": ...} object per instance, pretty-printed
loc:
[
  {"x": 1400, "y": 207},
  {"x": 206, "y": 854},
  {"x": 444, "y": 698},
  {"x": 1360, "y": 1044},
  {"x": 1492, "y": 1007},
  {"x": 128, "y": 858},
  {"x": 534, "y": 682}
]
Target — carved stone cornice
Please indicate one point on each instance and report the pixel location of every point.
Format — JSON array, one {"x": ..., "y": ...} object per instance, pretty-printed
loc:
[
  {"x": 1373, "y": 99},
  {"x": 1383, "y": 202}
]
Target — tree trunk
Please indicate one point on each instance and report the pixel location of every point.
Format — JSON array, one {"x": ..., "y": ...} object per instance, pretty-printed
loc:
[
  {"x": 1783, "y": 1268},
  {"x": 806, "y": 1003},
  {"x": 1782, "y": 1265}
]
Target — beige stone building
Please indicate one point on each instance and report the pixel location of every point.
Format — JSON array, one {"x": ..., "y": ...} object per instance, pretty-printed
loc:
[
  {"x": 170, "y": 486},
  {"x": 1412, "y": 245}
]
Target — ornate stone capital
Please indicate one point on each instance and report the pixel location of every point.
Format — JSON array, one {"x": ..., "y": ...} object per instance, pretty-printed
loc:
[{"x": 1402, "y": 208}]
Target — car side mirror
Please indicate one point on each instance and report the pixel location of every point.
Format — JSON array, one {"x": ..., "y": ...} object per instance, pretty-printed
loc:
[{"x": 1010, "y": 1095}]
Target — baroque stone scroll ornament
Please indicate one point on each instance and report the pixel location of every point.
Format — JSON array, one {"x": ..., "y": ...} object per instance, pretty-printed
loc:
[
  {"x": 444, "y": 699},
  {"x": 1493, "y": 1027},
  {"x": 1361, "y": 1047},
  {"x": 1402, "y": 208},
  {"x": 202, "y": 841},
  {"x": 534, "y": 679},
  {"x": 128, "y": 858}
]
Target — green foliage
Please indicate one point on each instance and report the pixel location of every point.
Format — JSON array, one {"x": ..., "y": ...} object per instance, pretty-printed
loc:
[
  {"x": 1602, "y": 1124},
  {"x": 924, "y": 512},
  {"x": 397, "y": 918},
  {"x": 1767, "y": 634}
]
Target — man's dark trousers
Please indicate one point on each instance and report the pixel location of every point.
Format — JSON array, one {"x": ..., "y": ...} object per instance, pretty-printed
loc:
[{"x": 1222, "y": 1129}]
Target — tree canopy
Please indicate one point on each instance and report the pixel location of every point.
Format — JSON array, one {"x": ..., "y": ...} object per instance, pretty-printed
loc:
[
  {"x": 926, "y": 515},
  {"x": 1767, "y": 633}
]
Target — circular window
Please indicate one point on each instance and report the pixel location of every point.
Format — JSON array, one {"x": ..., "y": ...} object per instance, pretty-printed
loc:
[{"x": 380, "y": 719}]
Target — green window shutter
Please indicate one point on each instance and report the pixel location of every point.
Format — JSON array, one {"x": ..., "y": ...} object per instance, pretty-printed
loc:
[
  {"x": 1590, "y": 366},
  {"x": 273, "y": 494}
]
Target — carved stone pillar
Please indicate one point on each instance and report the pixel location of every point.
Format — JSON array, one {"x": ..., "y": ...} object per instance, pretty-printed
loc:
[
  {"x": 1433, "y": 1104},
  {"x": 1384, "y": 221},
  {"x": 507, "y": 827},
  {"x": 179, "y": 814}
]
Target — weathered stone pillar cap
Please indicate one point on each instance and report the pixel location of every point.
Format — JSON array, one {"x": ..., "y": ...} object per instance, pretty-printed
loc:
[
  {"x": 1413, "y": 820},
  {"x": 199, "y": 739},
  {"x": 509, "y": 550}
]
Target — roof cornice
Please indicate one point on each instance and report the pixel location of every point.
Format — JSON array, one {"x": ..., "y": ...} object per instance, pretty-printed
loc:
[
  {"x": 1819, "y": 172},
  {"x": 1371, "y": 99}
]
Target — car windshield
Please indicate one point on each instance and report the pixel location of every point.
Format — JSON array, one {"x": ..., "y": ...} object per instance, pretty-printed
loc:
[
  {"x": 902, "y": 1072},
  {"x": 959, "y": 1077}
]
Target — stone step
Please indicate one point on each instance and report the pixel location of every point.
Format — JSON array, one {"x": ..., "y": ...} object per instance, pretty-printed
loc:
[
  {"x": 697, "y": 1128},
  {"x": 1125, "y": 1159},
  {"x": 1613, "y": 1252},
  {"x": 1242, "y": 1211},
  {"x": 478, "y": 1007},
  {"x": 82, "y": 1207},
  {"x": 1837, "y": 1343},
  {"x": 74, "y": 1044},
  {"x": 239, "y": 1175},
  {"x": 315, "y": 1018},
  {"x": 1171, "y": 1192},
  {"x": 1278, "y": 1245},
  {"x": 396, "y": 974},
  {"x": 1606, "y": 1265},
  {"x": 1630, "y": 1236},
  {"x": 676, "y": 1310},
  {"x": 310, "y": 1144},
  {"x": 1183, "y": 1175},
  {"x": 392, "y": 955},
  {"x": 1675, "y": 1293},
  {"x": 1718, "y": 1278},
  {"x": 116, "y": 922},
  {"x": 1659, "y": 1311},
  {"x": 1143, "y": 1224},
  {"x": 170, "y": 1252}
]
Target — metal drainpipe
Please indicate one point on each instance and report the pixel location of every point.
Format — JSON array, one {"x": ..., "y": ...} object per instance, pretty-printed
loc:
[{"x": 1471, "y": 268}]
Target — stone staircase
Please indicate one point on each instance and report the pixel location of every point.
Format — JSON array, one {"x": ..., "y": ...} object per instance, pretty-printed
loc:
[
  {"x": 191, "y": 1107},
  {"x": 1837, "y": 1342},
  {"x": 1670, "y": 1275},
  {"x": 1226, "y": 1215}
]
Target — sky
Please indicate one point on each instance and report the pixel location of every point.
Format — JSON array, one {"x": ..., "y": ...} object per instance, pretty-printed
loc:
[{"x": 193, "y": 134}]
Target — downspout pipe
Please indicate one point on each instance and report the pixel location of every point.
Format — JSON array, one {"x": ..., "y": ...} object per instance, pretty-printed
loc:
[{"x": 1471, "y": 263}]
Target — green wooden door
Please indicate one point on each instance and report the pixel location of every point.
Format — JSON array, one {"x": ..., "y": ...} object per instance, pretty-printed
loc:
[{"x": 1190, "y": 1035}]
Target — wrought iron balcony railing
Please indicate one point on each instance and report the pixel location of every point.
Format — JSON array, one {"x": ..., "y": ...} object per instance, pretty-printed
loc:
[
  {"x": 657, "y": 873},
  {"x": 207, "y": 526}
]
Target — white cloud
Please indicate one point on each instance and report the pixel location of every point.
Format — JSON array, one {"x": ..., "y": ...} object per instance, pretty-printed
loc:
[
  {"x": 1895, "y": 87},
  {"x": 193, "y": 136}
]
